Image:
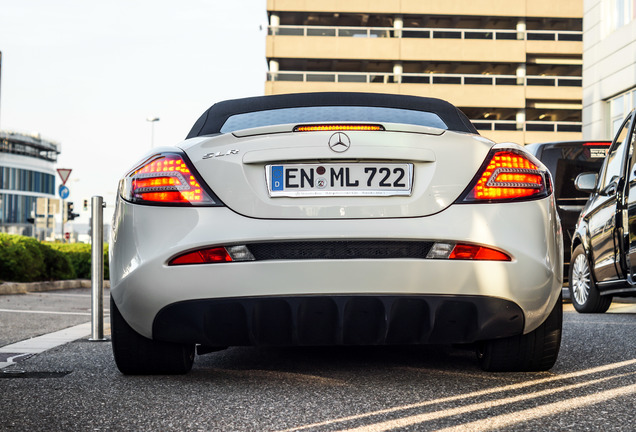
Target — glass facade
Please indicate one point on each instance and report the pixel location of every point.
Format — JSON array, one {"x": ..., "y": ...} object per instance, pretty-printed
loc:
[
  {"x": 16, "y": 208},
  {"x": 26, "y": 180},
  {"x": 27, "y": 163}
]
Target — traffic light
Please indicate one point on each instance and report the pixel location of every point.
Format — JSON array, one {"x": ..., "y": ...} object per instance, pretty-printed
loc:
[
  {"x": 85, "y": 205},
  {"x": 69, "y": 211}
]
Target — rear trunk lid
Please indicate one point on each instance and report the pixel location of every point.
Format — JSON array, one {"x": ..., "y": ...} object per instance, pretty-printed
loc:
[{"x": 425, "y": 170}]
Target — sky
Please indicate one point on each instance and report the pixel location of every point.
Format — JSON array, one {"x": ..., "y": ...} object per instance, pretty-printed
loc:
[{"x": 88, "y": 73}]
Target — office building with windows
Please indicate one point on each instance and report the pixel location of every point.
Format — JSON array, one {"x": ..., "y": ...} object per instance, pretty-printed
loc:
[
  {"x": 514, "y": 67},
  {"x": 27, "y": 171},
  {"x": 609, "y": 72}
]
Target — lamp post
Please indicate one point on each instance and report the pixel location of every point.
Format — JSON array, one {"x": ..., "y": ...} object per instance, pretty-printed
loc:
[{"x": 152, "y": 121}]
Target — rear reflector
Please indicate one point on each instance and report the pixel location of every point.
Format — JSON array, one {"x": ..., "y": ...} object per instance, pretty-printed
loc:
[
  {"x": 214, "y": 255},
  {"x": 479, "y": 253},
  {"x": 202, "y": 256},
  {"x": 509, "y": 176},
  {"x": 338, "y": 127},
  {"x": 465, "y": 251}
]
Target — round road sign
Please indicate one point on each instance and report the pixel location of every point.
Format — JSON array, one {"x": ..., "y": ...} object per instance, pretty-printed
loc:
[{"x": 64, "y": 192}]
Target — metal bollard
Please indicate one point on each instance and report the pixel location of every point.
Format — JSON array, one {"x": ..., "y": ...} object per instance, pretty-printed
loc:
[{"x": 97, "y": 269}]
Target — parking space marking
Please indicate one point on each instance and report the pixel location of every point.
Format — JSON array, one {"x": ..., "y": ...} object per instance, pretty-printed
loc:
[
  {"x": 622, "y": 308},
  {"x": 54, "y": 294},
  {"x": 43, "y": 343},
  {"x": 46, "y": 312},
  {"x": 61, "y": 294}
]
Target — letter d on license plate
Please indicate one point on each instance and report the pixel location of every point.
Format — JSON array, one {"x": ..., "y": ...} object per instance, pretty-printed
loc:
[
  {"x": 277, "y": 178},
  {"x": 347, "y": 179}
]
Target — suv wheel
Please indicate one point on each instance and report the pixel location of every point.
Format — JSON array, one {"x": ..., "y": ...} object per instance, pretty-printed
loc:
[
  {"x": 138, "y": 355},
  {"x": 535, "y": 351},
  {"x": 583, "y": 292}
]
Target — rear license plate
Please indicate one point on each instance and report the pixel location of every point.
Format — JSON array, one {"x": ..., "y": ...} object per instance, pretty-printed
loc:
[{"x": 339, "y": 179}]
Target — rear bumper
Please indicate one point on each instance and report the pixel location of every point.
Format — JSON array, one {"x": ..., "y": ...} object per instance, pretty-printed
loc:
[
  {"x": 144, "y": 286},
  {"x": 338, "y": 320}
]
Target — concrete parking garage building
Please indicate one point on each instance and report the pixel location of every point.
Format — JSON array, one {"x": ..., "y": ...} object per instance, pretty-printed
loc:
[
  {"x": 514, "y": 67},
  {"x": 609, "y": 73},
  {"x": 27, "y": 171}
]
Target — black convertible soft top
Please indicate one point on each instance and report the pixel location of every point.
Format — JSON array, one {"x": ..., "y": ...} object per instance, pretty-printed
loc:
[{"x": 213, "y": 119}]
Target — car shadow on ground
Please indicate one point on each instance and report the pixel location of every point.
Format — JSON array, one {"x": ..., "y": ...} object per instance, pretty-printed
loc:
[{"x": 338, "y": 360}]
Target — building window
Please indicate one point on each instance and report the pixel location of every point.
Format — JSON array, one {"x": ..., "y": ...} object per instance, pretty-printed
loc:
[
  {"x": 619, "y": 13},
  {"x": 26, "y": 180},
  {"x": 15, "y": 209},
  {"x": 619, "y": 107}
]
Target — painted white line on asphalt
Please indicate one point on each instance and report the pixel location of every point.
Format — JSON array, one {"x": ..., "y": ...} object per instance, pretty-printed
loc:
[
  {"x": 48, "y": 294},
  {"x": 622, "y": 308},
  {"x": 465, "y": 396},
  {"x": 45, "y": 342},
  {"x": 45, "y": 312},
  {"x": 57, "y": 294}
]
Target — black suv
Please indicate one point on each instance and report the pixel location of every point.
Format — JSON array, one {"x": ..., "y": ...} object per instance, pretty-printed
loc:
[
  {"x": 603, "y": 262},
  {"x": 566, "y": 160}
]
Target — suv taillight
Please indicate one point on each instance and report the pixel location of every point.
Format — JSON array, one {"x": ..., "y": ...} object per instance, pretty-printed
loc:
[
  {"x": 165, "y": 178},
  {"x": 508, "y": 175}
]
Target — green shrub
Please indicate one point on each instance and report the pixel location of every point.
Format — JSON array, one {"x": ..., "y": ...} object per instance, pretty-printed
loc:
[
  {"x": 80, "y": 257},
  {"x": 24, "y": 259},
  {"x": 21, "y": 259},
  {"x": 58, "y": 264}
]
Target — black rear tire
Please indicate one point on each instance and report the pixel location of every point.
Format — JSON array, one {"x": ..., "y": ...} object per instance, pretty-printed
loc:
[
  {"x": 535, "y": 351},
  {"x": 583, "y": 292},
  {"x": 138, "y": 355}
]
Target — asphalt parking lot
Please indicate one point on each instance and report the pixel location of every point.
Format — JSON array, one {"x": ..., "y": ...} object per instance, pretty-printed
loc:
[{"x": 76, "y": 385}]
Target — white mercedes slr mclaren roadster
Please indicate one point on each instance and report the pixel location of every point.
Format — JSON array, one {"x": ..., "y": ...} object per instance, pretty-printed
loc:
[{"x": 331, "y": 219}]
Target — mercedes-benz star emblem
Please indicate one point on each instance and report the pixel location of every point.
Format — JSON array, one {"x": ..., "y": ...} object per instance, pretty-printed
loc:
[{"x": 339, "y": 142}]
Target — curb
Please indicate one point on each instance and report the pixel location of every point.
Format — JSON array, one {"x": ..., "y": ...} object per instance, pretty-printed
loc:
[{"x": 23, "y": 288}]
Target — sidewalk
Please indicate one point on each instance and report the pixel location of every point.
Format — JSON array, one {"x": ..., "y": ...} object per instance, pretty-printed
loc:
[{"x": 24, "y": 287}]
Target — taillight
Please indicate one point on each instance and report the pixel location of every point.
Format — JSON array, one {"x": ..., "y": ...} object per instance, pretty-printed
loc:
[
  {"x": 466, "y": 251},
  {"x": 597, "y": 143},
  {"x": 508, "y": 175},
  {"x": 165, "y": 179}
]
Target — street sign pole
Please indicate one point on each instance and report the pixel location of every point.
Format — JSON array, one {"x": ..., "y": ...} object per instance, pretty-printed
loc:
[
  {"x": 64, "y": 193},
  {"x": 64, "y": 174},
  {"x": 62, "y": 224}
]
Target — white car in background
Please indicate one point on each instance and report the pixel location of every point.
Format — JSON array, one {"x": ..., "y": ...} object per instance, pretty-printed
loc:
[{"x": 335, "y": 219}]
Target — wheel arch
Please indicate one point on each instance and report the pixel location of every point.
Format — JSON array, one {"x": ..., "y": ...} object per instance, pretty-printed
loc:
[{"x": 582, "y": 238}]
